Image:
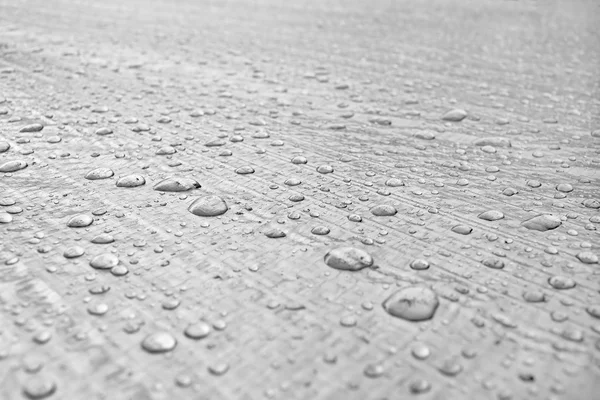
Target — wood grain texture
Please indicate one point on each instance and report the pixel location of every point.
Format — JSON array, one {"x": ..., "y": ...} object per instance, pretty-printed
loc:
[{"x": 357, "y": 85}]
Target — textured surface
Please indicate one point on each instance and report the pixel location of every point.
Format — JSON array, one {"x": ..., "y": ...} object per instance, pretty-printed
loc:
[{"x": 320, "y": 124}]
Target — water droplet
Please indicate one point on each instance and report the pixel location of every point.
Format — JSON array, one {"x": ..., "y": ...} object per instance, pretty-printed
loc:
[
  {"x": 275, "y": 233},
  {"x": 32, "y": 128},
  {"x": 218, "y": 369},
  {"x": 564, "y": 187},
  {"x": 98, "y": 309},
  {"x": 383, "y": 210},
  {"x": 208, "y": 206},
  {"x": 587, "y": 257},
  {"x": 510, "y": 191},
  {"x": 412, "y": 304},
  {"x": 493, "y": 263},
  {"x": 320, "y": 230},
  {"x": 492, "y": 141},
  {"x": 244, "y": 170},
  {"x": 5, "y": 218},
  {"x": 394, "y": 182},
  {"x": 588, "y": 203},
  {"x": 594, "y": 310},
  {"x": 119, "y": 270},
  {"x": 450, "y": 367},
  {"x": 39, "y": 387},
  {"x": 176, "y": 185},
  {"x": 374, "y": 370},
  {"x": 325, "y": 169},
  {"x": 348, "y": 259},
  {"x": 419, "y": 386},
  {"x": 99, "y": 173},
  {"x": 542, "y": 222},
  {"x": 166, "y": 151},
  {"x": 13, "y": 166},
  {"x": 74, "y": 252},
  {"x": 561, "y": 282},
  {"x": 419, "y": 264},
  {"x": 462, "y": 229},
  {"x": 299, "y": 160},
  {"x": 348, "y": 321},
  {"x": 104, "y": 131},
  {"x": 80, "y": 221},
  {"x": 198, "y": 330},
  {"x": 455, "y": 115},
  {"x": 420, "y": 351},
  {"x": 159, "y": 342},
  {"x": 491, "y": 215},
  {"x": 533, "y": 296},
  {"x": 130, "y": 181},
  {"x": 104, "y": 261},
  {"x": 103, "y": 238},
  {"x": 355, "y": 218}
]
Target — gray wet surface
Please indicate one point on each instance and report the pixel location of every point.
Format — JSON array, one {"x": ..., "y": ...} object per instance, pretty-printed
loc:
[{"x": 299, "y": 200}]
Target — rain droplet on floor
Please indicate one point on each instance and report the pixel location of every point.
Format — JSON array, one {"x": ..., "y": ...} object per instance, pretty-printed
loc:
[
  {"x": 159, "y": 342},
  {"x": 176, "y": 184},
  {"x": 208, "y": 206},
  {"x": 542, "y": 222},
  {"x": 80, "y": 221},
  {"x": 130, "y": 181},
  {"x": 412, "y": 304},
  {"x": 348, "y": 259}
]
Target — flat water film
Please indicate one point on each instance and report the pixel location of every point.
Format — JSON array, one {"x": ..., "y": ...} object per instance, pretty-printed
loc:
[{"x": 314, "y": 199}]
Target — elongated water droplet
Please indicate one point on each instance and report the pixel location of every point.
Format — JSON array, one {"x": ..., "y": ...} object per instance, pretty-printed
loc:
[{"x": 348, "y": 259}]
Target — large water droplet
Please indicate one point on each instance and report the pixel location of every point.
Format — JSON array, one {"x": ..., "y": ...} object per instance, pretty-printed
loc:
[
  {"x": 491, "y": 215},
  {"x": 104, "y": 261},
  {"x": 455, "y": 115},
  {"x": 80, "y": 221},
  {"x": 383, "y": 210},
  {"x": 412, "y": 304},
  {"x": 542, "y": 222},
  {"x": 325, "y": 169},
  {"x": 32, "y": 128},
  {"x": 208, "y": 206},
  {"x": 561, "y": 282},
  {"x": 198, "y": 330},
  {"x": 587, "y": 257},
  {"x": 74, "y": 252},
  {"x": 348, "y": 259},
  {"x": 13, "y": 166},
  {"x": 177, "y": 185},
  {"x": 159, "y": 342},
  {"x": 99, "y": 173},
  {"x": 130, "y": 181},
  {"x": 419, "y": 264},
  {"x": 462, "y": 229},
  {"x": 39, "y": 387}
]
